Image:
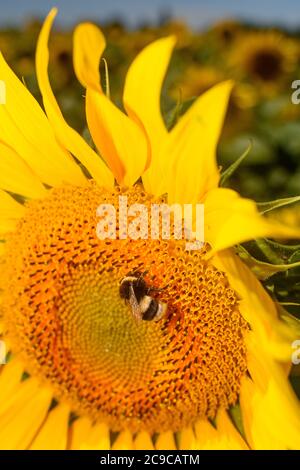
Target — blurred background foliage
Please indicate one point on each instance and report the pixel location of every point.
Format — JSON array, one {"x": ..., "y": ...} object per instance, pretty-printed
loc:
[{"x": 263, "y": 63}]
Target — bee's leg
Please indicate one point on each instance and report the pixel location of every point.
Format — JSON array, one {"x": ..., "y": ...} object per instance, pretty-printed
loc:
[
  {"x": 143, "y": 274},
  {"x": 157, "y": 289}
]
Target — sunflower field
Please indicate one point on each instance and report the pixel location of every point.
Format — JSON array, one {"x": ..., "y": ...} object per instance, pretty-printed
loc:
[{"x": 262, "y": 62}]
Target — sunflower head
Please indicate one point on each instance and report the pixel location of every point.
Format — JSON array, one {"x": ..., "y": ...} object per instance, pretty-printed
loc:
[
  {"x": 226, "y": 31},
  {"x": 81, "y": 337},
  {"x": 265, "y": 57}
]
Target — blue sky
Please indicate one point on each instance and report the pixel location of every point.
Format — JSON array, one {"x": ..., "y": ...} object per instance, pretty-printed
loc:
[{"x": 196, "y": 12}]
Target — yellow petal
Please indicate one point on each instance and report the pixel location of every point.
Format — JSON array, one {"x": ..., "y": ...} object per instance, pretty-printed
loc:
[
  {"x": 123, "y": 441},
  {"x": 9, "y": 207},
  {"x": 188, "y": 173},
  {"x": 7, "y": 226},
  {"x": 231, "y": 219},
  {"x": 87, "y": 437},
  {"x": 143, "y": 441},
  {"x": 256, "y": 306},
  {"x": 53, "y": 434},
  {"x": 10, "y": 212},
  {"x": 16, "y": 176},
  {"x": 211, "y": 108},
  {"x": 142, "y": 98},
  {"x": 206, "y": 435},
  {"x": 119, "y": 140},
  {"x": 10, "y": 379},
  {"x": 229, "y": 433},
  {"x": 22, "y": 393},
  {"x": 89, "y": 44},
  {"x": 166, "y": 441},
  {"x": 25, "y": 128},
  {"x": 23, "y": 415},
  {"x": 80, "y": 429},
  {"x": 187, "y": 440},
  {"x": 188, "y": 157},
  {"x": 225, "y": 437},
  {"x": 67, "y": 136},
  {"x": 271, "y": 417}
]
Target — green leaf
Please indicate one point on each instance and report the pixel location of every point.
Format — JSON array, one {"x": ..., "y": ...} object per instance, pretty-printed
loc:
[
  {"x": 287, "y": 317},
  {"x": 265, "y": 207},
  {"x": 278, "y": 253},
  {"x": 295, "y": 380},
  {"x": 178, "y": 110},
  {"x": 285, "y": 250},
  {"x": 106, "y": 78},
  {"x": 174, "y": 114},
  {"x": 236, "y": 416},
  {"x": 234, "y": 166},
  {"x": 295, "y": 257},
  {"x": 262, "y": 269},
  {"x": 289, "y": 304},
  {"x": 270, "y": 253}
]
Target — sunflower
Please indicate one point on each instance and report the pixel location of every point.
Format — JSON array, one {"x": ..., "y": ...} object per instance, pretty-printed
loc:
[
  {"x": 81, "y": 373},
  {"x": 266, "y": 57},
  {"x": 61, "y": 57},
  {"x": 226, "y": 31}
]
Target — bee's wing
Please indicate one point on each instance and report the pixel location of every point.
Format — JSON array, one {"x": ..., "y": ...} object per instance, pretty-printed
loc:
[{"x": 134, "y": 305}]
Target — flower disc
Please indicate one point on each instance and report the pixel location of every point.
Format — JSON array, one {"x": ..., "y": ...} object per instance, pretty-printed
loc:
[{"x": 65, "y": 316}]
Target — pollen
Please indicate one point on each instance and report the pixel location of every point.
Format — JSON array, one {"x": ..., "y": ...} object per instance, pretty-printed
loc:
[{"x": 64, "y": 315}]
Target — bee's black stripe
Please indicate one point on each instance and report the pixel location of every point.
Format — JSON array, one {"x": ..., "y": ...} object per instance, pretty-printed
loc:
[{"x": 151, "y": 311}]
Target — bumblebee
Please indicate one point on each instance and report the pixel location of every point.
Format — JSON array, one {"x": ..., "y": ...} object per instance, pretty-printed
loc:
[{"x": 135, "y": 291}]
